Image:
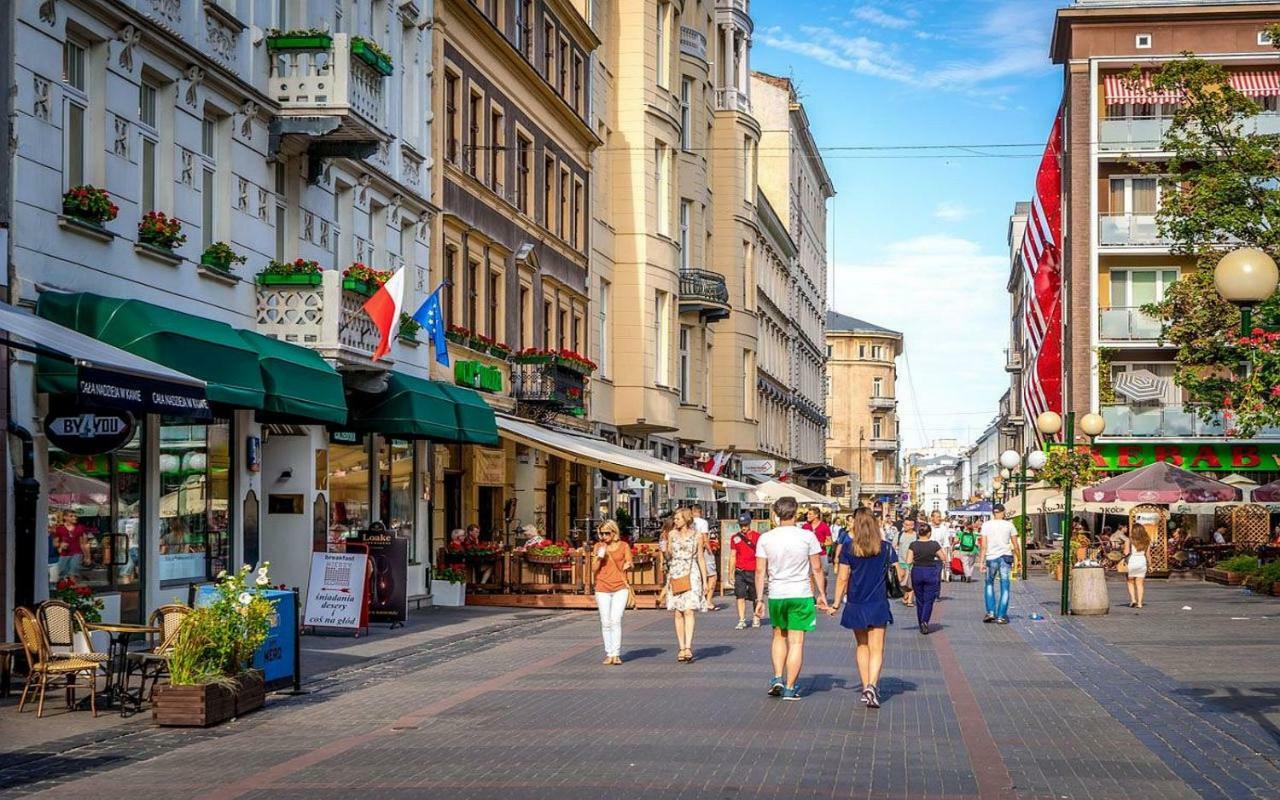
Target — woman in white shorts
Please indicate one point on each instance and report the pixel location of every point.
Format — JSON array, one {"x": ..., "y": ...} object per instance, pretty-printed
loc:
[{"x": 1135, "y": 551}]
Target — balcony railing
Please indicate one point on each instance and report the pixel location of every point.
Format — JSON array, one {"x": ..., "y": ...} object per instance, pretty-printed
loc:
[
  {"x": 705, "y": 292},
  {"x": 549, "y": 384},
  {"x": 1155, "y": 420},
  {"x": 1146, "y": 134},
  {"x": 882, "y": 444},
  {"x": 331, "y": 83},
  {"x": 732, "y": 99},
  {"x": 1012, "y": 361},
  {"x": 883, "y": 403},
  {"x": 1127, "y": 325},
  {"x": 324, "y": 317},
  {"x": 693, "y": 43},
  {"x": 1130, "y": 230}
]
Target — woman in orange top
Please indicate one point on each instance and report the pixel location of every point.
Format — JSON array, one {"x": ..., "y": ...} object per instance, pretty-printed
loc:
[{"x": 613, "y": 559}]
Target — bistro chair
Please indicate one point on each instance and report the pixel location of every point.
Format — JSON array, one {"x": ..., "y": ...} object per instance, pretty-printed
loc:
[
  {"x": 68, "y": 633},
  {"x": 44, "y": 667},
  {"x": 154, "y": 661}
]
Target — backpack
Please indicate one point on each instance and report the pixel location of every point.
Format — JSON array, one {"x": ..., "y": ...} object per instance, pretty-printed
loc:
[{"x": 968, "y": 542}]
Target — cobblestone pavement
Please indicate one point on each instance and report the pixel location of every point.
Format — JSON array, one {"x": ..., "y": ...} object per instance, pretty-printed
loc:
[{"x": 523, "y": 709}]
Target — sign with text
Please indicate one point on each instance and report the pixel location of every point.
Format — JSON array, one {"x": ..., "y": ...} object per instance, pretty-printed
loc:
[
  {"x": 89, "y": 434},
  {"x": 1192, "y": 455},
  {"x": 390, "y": 553},
  {"x": 336, "y": 591}
]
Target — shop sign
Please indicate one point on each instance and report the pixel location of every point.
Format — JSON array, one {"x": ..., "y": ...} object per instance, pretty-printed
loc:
[
  {"x": 336, "y": 591},
  {"x": 89, "y": 433},
  {"x": 389, "y": 601},
  {"x": 344, "y": 437},
  {"x": 139, "y": 395},
  {"x": 489, "y": 466},
  {"x": 476, "y": 375},
  {"x": 759, "y": 466},
  {"x": 1192, "y": 455}
]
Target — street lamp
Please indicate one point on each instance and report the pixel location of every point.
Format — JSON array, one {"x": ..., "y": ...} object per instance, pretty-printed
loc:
[
  {"x": 1011, "y": 460},
  {"x": 1049, "y": 423},
  {"x": 1245, "y": 278}
]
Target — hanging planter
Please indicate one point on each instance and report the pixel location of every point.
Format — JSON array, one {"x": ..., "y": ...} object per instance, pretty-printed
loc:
[{"x": 370, "y": 53}]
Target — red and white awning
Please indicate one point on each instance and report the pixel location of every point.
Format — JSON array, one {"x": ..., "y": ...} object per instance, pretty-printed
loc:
[
  {"x": 1121, "y": 90},
  {"x": 1257, "y": 83}
]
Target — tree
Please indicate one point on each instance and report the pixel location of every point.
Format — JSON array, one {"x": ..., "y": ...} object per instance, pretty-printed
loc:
[{"x": 1220, "y": 191}]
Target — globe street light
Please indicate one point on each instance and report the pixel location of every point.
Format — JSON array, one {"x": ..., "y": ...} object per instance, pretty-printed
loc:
[
  {"x": 1092, "y": 425},
  {"x": 1245, "y": 278}
]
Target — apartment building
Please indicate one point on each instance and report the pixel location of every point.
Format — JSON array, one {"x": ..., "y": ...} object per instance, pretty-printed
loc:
[
  {"x": 775, "y": 253},
  {"x": 1115, "y": 259},
  {"x": 1017, "y": 433},
  {"x": 794, "y": 178},
  {"x": 862, "y": 405},
  {"x": 281, "y": 131}
]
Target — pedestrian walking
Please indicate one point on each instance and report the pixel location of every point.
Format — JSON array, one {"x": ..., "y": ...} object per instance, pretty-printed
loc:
[
  {"x": 613, "y": 591},
  {"x": 925, "y": 557},
  {"x": 710, "y": 556},
  {"x": 789, "y": 562},
  {"x": 905, "y": 538},
  {"x": 742, "y": 548},
  {"x": 1135, "y": 551},
  {"x": 945, "y": 537},
  {"x": 861, "y": 589},
  {"x": 999, "y": 555},
  {"x": 686, "y": 577},
  {"x": 967, "y": 551}
]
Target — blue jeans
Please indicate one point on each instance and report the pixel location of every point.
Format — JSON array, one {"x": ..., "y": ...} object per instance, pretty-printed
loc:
[{"x": 998, "y": 606}]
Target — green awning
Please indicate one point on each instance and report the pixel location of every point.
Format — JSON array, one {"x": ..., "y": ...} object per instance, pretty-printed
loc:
[
  {"x": 410, "y": 408},
  {"x": 298, "y": 381},
  {"x": 476, "y": 424},
  {"x": 203, "y": 348}
]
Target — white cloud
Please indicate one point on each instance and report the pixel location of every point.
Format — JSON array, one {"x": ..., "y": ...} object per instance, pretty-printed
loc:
[
  {"x": 947, "y": 297},
  {"x": 950, "y": 211},
  {"x": 853, "y": 53},
  {"x": 876, "y": 16}
]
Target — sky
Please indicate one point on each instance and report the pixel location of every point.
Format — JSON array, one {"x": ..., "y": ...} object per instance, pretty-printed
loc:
[{"x": 918, "y": 237}]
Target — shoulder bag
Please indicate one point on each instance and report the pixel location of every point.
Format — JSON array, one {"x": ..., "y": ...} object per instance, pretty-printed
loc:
[{"x": 892, "y": 585}]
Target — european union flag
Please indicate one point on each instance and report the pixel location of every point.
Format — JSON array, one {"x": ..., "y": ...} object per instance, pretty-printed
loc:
[{"x": 430, "y": 315}]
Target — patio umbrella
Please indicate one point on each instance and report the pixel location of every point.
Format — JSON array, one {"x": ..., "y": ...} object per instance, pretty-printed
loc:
[
  {"x": 1141, "y": 385},
  {"x": 1267, "y": 493},
  {"x": 982, "y": 508},
  {"x": 1244, "y": 484},
  {"x": 1162, "y": 483}
]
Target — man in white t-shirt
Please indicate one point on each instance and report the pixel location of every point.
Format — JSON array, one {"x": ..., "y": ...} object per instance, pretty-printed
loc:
[
  {"x": 1000, "y": 556},
  {"x": 787, "y": 558},
  {"x": 945, "y": 537}
]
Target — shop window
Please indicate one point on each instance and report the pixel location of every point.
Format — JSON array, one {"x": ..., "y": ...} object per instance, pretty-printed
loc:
[
  {"x": 351, "y": 509},
  {"x": 395, "y": 489},
  {"x": 195, "y": 484}
]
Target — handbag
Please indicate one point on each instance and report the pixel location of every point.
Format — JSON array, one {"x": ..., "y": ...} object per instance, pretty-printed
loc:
[
  {"x": 682, "y": 584},
  {"x": 892, "y": 584}
]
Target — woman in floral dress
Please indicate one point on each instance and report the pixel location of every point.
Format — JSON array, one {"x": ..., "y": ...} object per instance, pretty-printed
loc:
[{"x": 685, "y": 547}]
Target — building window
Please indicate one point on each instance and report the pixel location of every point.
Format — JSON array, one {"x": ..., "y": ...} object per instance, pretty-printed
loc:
[
  {"x": 686, "y": 113},
  {"x": 579, "y": 232},
  {"x": 562, "y": 329},
  {"x": 663, "y": 44},
  {"x": 524, "y": 28},
  {"x": 493, "y": 324},
  {"x": 209, "y": 182},
  {"x": 579, "y": 346},
  {"x": 547, "y": 320},
  {"x": 566, "y": 196},
  {"x": 450, "y": 282},
  {"x": 147, "y": 94},
  {"x": 686, "y": 367},
  {"x": 195, "y": 536},
  {"x": 662, "y": 187},
  {"x": 862, "y": 351},
  {"x": 602, "y": 321},
  {"x": 1136, "y": 196},
  {"x": 548, "y": 192},
  {"x": 397, "y": 498},
  {"x": 526, "y": 318},
  {"x": 498, "y": 150},
  {"x": 549, "y": 52},
  {"x": 474, "y": 134},
  {"x": 1142, "y": 41},
  {"x": 451, "y": 122},
  {"x": 877, "y": 427},
  {"x": 877, "y": 387},
  {"x": 74, "y": 57},
  {"x": 578, "y": 84},
  {"x": 748, "y": 384},
  {"x": 1134, "y": 288},
  {"x": 562, "y": 83},
  {"x": 686, "y": 211},
  {"x": 662, "y": 337},
  {"x": 524, "y": 168},
  {"x": 473, "y": 295},
  {"x": 282, "y": 211}
]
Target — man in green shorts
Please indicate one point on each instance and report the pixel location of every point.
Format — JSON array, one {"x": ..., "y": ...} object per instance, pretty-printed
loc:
[{"x": 787, "y": 557}]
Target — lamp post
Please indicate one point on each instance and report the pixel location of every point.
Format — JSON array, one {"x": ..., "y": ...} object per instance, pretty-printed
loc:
[
  {"x": 1245, "y": 278},
  {"x": 1011, "y": 460},
  {"x": 1049, "y": 423}
]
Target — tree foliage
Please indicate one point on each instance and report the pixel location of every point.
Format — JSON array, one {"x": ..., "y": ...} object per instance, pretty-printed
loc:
[{"x": 1220, "y": 192}]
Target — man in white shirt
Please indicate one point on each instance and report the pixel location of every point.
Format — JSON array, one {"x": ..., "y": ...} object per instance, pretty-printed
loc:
[
  {"x": 788, "y": 558},
  {"x": 1000, "y": 555},
  {"x": 945, "y": 537},
  {"x": 700, "y": 523}
]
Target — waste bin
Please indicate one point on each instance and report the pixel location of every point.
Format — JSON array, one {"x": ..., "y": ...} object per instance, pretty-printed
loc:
[{"x": 1089, "y": 591}]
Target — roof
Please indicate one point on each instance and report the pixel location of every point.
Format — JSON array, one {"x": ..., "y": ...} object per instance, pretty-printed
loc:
[{"x": 843, "y": 322}]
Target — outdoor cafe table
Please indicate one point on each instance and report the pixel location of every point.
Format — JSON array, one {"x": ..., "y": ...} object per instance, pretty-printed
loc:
[{"x": 118, "y": 653}]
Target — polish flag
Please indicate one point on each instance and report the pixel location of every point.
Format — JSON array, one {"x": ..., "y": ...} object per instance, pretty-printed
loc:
[{"x": 384, "y": 309}]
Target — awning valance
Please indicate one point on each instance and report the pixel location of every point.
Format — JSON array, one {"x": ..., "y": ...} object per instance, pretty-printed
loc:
[
  {"x": 476, "y": 423},
  {"x": 1120, "y": 89},
  {"x": 298, "y": 381},
  {"x": 411, "y": 408},
  {"x": 1257, "y": 82},
  {"x": 202, "y": 348},
  {"x": 100, "y": 373},
  {"x": 770, "y": 491}
]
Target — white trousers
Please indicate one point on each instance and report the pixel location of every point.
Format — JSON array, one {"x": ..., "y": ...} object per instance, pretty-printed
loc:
[{"x": 611, "y": 606}]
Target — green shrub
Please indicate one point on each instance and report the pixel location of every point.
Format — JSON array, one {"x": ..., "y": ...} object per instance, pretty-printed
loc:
[{"x": 1247, "y": 565}]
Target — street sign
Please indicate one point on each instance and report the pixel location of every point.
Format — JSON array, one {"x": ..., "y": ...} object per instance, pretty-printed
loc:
[{"x": 89, "y": 434}]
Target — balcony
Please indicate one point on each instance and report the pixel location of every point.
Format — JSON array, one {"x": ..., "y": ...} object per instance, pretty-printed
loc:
[
  {"x": 325, "y": 317},
  {"x": 1146, "y": 134},
  {"x": 733, "y": 99},
  {"x": 693, "y": 43},
  {"x": 880, "y": 489},
  {"x": 882, "y": 445},
  {"x": 1127, "y": 325},
  {"x": 551, "y": 386},
  {"x": 1165, "y": 421},
  {"x": 1130, "y": 230},
  {"x": 705, "y": 292},
  {"x": 883, "y": 403},
  {"x": 1012, "y": 361}
]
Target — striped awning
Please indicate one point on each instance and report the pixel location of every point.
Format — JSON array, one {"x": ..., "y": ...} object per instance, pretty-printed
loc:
[
  {"x": 1257, "y": 83},
  {"x": 1121, "y": 89}
]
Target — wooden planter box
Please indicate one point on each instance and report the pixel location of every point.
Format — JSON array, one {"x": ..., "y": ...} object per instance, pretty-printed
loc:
[
  {"x": 209, "y": 704},
  {"x": 1222, "y": 576}
]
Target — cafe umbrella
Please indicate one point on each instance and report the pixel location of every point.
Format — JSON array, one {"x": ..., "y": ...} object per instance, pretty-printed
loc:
[{"x": 1162, "y": 483}]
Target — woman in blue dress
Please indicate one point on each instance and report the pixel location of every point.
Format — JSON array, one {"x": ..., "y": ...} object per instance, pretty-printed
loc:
[{"x": 860, "y": 588}]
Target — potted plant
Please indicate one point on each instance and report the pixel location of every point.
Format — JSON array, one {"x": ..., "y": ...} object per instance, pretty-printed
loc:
[
  {"x": 448, "y": 587},
  {"x": 89, "y": 204},
  {"x": 160, "y": 231},
  {"x": 479, "y": 342},
  {"x": 363, "y": 279},
  {"x": 533, "y": 355},
  {"x": 409, "y": 328},
  {"x": 1066, "y": 467},
  {"x": 547, "y": 554},
  {"x": 220, "y": 256},
  {"x": 299, "y": 272},
  {"x": 368, "y": 51},
  {"x": 500, "y": 350},
  {"x": 457, "y": 334},
  {"x": 1232, "y": 571},
  {"x": 209, "y": 664},
  {"x": 300, "y": 39},
  {"x": 1053, "y": 563},
  {"x": 79, "y": 597}
]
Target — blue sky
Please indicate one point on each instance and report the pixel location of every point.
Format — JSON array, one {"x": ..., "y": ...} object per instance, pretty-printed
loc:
[{"x": 920, "y": 235}]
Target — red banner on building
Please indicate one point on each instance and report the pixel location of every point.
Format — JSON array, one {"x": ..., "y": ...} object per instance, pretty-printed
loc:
[{"x": 1041, "y": 253}]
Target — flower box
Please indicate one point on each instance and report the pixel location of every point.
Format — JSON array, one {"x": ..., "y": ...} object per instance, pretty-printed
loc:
[
  {"x": 452, "y": 595},
  {"x": 300, "y": 42},
  {"x": 500, "y": 352},
  {"x": 361, "y": 50},
  {"x": 359, "y": 287},
  {"x": 1222, "y": 576},
  {"x": 85, "y": 227},
  {"x": 456, "y": 338},
  {"x": 548, "y": 560},
  {"x": 157, "y": 253},
  {"x": 531, "y": 359},
  {"x": 217, "y": 274},
  {"x": 478, "y": 345},
  {"x": 208, "y": 704},
  {"x": 271, "y": 279}
]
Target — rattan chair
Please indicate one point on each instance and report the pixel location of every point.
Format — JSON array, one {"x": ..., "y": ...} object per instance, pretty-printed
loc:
[
  {"x": 154, "y": 662},
  {"x": 67, "y": 633},
  {"x": 44, "y": 668}
]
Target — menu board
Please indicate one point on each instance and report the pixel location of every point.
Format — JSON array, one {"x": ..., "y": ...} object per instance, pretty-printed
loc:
[{"x": 336, "y": 593}]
